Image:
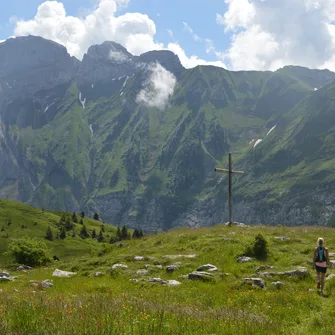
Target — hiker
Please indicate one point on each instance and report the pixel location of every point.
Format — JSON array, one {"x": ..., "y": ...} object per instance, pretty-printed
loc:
[{"x": 321, "y": 261}]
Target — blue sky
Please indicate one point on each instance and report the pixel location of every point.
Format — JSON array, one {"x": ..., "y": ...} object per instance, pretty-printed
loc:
[
  {"x": 200, "y": 16},
  {"x": 241, "y": 34}
]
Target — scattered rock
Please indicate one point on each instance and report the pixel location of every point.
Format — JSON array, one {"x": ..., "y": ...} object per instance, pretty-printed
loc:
[
  {"x": 23, "y": 268},
  {"x": 311, "y": 290},
  {"x": 264, "y": 267},
  {"x": 64, "y": 274},
  {"x": 278, "y": 284},
  {"x": 135, "y": 280},
  {"x": 332, "y": 264},
  {"x": 98, "y": 274},
  {"x": 15, "y": 290},
  {"x": 282, "y": 238},
  {"x": 138, "y": 258},
  {"x": 238, "y": 224},
  {"x": 164, "y": 282},
  {"x": 179, "y": 256},
  {"x": 300, "y": 272},
  {"x": 119, "y": 266},
  {"x": 183, "y": 276},
  {"x": 207, "y": 267},
  {"x": 46, "y": 283},
  {"x": 244, "y": 259},
  {"x": 200, "y": 275},
  {"x": 267, "y": 274},
  {"x": 255, "y": 282},
  {"x": 142, "y": 272},
  {"x": 172, "y": 268},
  {"x": 4, "y": 274},
  {"x": 332, "y": 275},
  {"x": 172, "y": 283},
  {"x": 332, "y": 254},
  {"x": 1, "y": 291}
]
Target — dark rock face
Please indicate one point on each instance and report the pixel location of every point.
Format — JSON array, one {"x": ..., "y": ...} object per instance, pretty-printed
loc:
[{"x": 30, "y": 64}]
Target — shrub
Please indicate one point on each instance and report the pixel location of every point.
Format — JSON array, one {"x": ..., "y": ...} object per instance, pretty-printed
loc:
[
  {"x": 27, "y": 251},
  {"x": 259, "y": 248}
]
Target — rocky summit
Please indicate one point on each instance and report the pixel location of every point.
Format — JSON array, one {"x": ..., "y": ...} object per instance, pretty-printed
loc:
[{"x": 136, "y": 138}]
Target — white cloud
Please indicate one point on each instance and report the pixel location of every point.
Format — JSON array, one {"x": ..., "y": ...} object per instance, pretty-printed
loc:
[
  {"x": 118, "y": 56},
  {"x": 190, "y": 30},
  {"x": 158, "y": 89},
  {"x": 192, "y": 61},
  {"x": 135, "y": 31},
  {"x": 268, "y": 34},
  {"x": 170, "y": 32}
]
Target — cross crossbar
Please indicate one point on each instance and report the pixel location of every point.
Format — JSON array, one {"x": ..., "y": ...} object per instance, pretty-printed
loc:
[{"x": 226, "y": 170}]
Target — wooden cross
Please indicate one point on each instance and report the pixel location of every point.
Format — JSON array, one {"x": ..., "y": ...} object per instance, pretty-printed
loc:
[{"x": 230, "y": 171}]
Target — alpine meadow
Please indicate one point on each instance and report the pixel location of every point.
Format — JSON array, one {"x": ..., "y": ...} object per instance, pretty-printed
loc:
[{"x": 113, "y": 218}]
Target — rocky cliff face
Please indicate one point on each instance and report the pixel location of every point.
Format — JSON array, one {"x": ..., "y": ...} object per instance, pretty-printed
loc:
[{"x": 74, "y": 137}]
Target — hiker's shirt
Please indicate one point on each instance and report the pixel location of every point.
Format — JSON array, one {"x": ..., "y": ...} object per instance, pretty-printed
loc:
[{"x": 321, "y": 256}]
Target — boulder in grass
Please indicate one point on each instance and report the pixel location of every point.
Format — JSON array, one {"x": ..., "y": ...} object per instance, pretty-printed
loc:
[
  {"x": 277, "y": 284},
  {"x": 207, "y": 267},
  {"x": 63, "y": 274},
  {"x": 200, "y": 275},
  {"x": 259, "y": 282},
  {"x": 138, "y": 258},
  {"x": 172, "y": 268},
  {"x": 244, "y": 259},
  {"x": 119, "y": 266}
]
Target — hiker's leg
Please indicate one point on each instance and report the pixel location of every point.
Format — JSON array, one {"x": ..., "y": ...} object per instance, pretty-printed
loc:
[
  {"x": 318, "y": 277},
  {"x": 322, "y": 281}
]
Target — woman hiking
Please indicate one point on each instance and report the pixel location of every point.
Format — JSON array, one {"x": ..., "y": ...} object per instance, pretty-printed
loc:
[{"x": 321, "y": 261}]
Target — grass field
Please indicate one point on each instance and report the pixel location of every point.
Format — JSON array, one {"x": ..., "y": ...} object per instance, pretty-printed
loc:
[{"x": 113, "y": 304}]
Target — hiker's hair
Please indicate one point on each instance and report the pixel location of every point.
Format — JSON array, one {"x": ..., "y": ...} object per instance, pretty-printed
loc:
[{"x": 320, "y": 241}]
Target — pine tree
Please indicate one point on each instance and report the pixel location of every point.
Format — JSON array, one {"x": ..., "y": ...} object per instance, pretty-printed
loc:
[
  {"x": 68, "y": 224},
  {"x": 74, "y": 218},
  {"x": 96, "y": 216},
  {"x": 102, "y": 228},
  {"x": 81, "y": 221},
  {"x": 124, "y": 233},
  {"x": 83, "y": 232},
  {"x": 49, "y": 235},
  {"x": 101, "y": 236},
  {"x": 118, "y": 233},
  {"x": 82, "y": 214},
  {"x": 94, "y": 234},
  {"x": 62, "y": 233}
]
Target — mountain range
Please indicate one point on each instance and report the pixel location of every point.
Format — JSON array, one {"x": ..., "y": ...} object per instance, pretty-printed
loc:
[{"x": 137, "y": 138}]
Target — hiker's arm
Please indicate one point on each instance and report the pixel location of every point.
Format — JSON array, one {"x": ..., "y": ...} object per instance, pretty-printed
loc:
[{"x": 327, "y": 255}]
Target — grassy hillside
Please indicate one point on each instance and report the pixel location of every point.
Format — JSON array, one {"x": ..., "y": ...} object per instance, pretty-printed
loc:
[
  {"x": 19, "y": 220},
  {"x": 113, "y": 304}
]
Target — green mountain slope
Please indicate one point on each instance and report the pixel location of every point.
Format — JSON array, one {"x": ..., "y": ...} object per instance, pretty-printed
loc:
[
  {"x": 19, "y": 220},
  {"x": 83, "y": 142}
]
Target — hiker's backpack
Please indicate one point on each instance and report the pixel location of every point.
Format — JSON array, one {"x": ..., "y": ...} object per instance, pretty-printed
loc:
[{"x": 321, "y": 257}]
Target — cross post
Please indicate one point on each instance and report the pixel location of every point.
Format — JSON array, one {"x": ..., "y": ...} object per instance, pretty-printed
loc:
[{"x": 230, "y": 172}]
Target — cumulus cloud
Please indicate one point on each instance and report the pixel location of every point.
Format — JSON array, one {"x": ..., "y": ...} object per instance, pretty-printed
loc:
[
  {"x": 158, "y": 89},
  {"x": 118, "y": 56},
  {"x": 135, "y": 31},
  {"x": 192, "y": 61},
  {"x": 268, "y": 34}
]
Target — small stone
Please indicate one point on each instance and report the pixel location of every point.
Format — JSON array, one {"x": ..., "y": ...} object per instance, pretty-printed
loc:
[
  {"x": 23, "y": 268},
  {"x": 15, "y": 290},
  {"x": 4, "y": 274},
  {"x": 207, "y": 267},
  {"x": 172, "y": 268},
  {"x": 300, "y": 272},
  {"x": 282, "y": 238},
  {"x": 278, "y": 284},
  {"x": 46, "y": 283},
  {"x": 142, "y": 272},
  {"x": 330, "y": 276},
  {"x": 172, "y": 283},
  {"x": 244, "y": 259},
  {"x": 200, "y": 275},
  {"x": 119, "y": 266},
  {"x": 98, "y": 274},
  {"x": 156, "y": 280},
  {"x": 5, "y": 279},
  {"x": 138, "y": 258},
  {"x": 255, "y": 282},
  {"x": 64, "y": 274}
]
